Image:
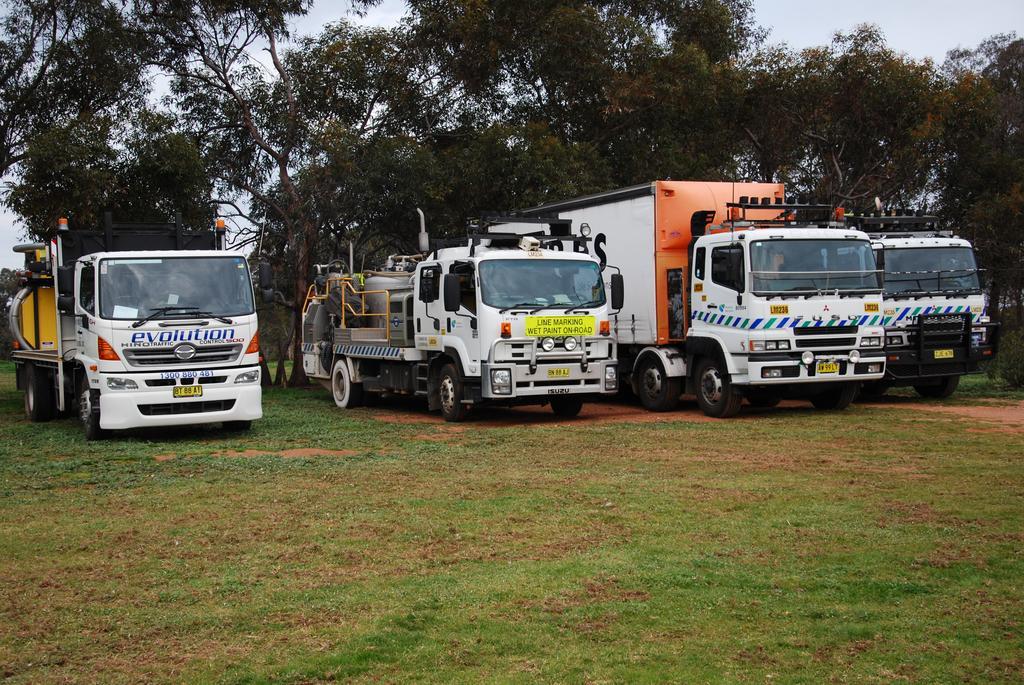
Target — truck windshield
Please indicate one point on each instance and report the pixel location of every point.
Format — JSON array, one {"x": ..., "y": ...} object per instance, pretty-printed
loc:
[
  {"x": 174, "y": 287},
  {"x": 810, "y": 267},
  {"x": 542, "y": 282},
  {"x": 930, "y": 270}
]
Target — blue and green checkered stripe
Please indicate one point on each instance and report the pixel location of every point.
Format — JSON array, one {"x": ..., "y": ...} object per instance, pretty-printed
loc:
[{"x": 777, "y": 322}]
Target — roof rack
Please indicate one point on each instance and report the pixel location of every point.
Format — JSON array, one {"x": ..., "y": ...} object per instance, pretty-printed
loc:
[
  {"x": 790, "y": 214},
  {"x": 124, "y": 237},
  {"x": 480, "y": 230},
  {"x": 917, "y": 225}
]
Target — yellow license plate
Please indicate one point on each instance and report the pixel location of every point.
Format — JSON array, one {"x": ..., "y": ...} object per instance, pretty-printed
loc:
[
  {"x": 827, "y": 367},
  {"x": 187, "y": 391},
  {"x": 943, "y": 354},
  {"x": 559, "y": 326},
  {"x": 558, "y": 373}
]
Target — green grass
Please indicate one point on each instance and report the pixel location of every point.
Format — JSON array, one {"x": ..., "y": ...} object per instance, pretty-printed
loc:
[{"x": 878, "y": 544}]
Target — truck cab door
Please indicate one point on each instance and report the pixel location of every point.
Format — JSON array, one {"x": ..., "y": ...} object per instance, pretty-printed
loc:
[
  {"x": 85, "y": 308},
  {"x": 428, "y": 309},
  {"x": 720, "y": 300},
  {"x": 461, "y": 326}
]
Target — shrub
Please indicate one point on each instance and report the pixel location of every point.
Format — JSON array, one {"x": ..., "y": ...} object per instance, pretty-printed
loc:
[{"x": 1009, "y": 363}]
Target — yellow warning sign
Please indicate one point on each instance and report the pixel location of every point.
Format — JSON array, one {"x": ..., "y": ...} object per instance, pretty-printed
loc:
[{"x": 560, "y": 326}]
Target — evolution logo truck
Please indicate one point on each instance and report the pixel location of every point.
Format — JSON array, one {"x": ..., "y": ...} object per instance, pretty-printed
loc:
[
  {"x": 137, "y": 326},
  {"x": 735, "y": 294}
]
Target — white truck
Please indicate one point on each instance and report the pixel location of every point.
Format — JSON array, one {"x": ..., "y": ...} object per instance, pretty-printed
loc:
[
  {"x": 136, "y": 326},
  {"x": 935, "y": 314},
  {"x": 735, "y": 294},
  {"x": 495, "y": 319}
]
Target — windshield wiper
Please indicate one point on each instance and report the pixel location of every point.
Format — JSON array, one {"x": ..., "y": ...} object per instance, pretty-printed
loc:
[
  {"x": 528, "y": 306},
  {"x": 167, "y": 310},
  {"x": 583, "y": 305}
]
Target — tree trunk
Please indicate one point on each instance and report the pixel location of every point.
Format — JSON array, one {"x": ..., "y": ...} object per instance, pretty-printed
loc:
[{"x": 302, "y": 267}]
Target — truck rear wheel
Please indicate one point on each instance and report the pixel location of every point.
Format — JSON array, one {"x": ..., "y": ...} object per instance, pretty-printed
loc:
[
  {"x": 941, "y": 390},
  {"x": 658, "y": 392},
  {"x": 452, "y": 392},
  {"x": 39, "y": 400},
  {"x": 836, "y": 398},
  {"x": 346, "y": 393},
  {"x": 566, "y": 406},
  {"x": 89, "y": 411},
  {"x": 715, "y": 394}
]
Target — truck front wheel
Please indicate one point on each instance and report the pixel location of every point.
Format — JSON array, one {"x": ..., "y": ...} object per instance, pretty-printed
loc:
[
  {"x": 566, "y": 407},
  {"x": 836, "y": 398},
  {"x": 451, "y": 391},
  {"x": 89, "y": 411},
  {"x": 941, "y": 390},
  {"x": 39, "y": 401},
  {"x": 346, "y": 393},
  {"x": 715, "y": 394},
  {"x": 658, "y": 392}
]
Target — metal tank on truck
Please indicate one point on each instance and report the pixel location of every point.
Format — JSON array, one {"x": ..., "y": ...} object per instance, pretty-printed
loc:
[
  {"x": 735, "y": 294},
  {"x": 935, "y": 314},
  {"x": 135, "y": 326},
  {"x": 495, "y": 318}
]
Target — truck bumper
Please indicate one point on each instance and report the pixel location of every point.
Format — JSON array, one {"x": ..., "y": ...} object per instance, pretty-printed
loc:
[
  {"x": 150, "y": 407},
  {"x": 551, "y": 379},
  {"x": 908, "y": 366},
  {"x": 781, "y": 369}
]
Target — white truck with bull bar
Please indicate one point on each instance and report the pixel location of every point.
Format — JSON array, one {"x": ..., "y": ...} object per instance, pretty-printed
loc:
[
  {"x": 935, "y": 314},
  {"x": 735, "y": 294},
  {"x": 493, "y": 319},
  {"x": 136, "y": 326}
]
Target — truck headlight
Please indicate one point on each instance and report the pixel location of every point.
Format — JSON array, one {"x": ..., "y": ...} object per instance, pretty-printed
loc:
[
  {"x": 122, "y": 384},
  {"x": 854, "y": 356},
  {"x": 611, "y": 377},
  {"x": 807, "y": 357},
  {"x": 501, "y": 381},
  {"x": 248, "y": 376},
  {"x": 570, "y": 344},
  {"x": 547, "y": 344},
  {"x": 893, "y": 340},
  {"x": 757, "y": 345},
  {"x": 783, "y": 344},
  {"x": 979, "y": 336},
  {"x": 873, "y": 341}
]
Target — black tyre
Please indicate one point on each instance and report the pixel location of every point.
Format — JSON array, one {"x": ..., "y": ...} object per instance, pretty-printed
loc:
[
  {"x": 715, "y": 394},
  {"x": 657, "y": 391},
  {"x": 39, "y": 396},
  {"x": 946, "y": 387},
  {"x": 346, "y": 393},
  {"x": 763, "y": 399},
  {"x": 238, "y": 426},
  {"x": 566, "y": 407},
  {"x": 452, "y": 393},
  {"x": 873, "y": 391},
  {"x": 89, "y": 411},
  {"x": 836, "y": 398}
]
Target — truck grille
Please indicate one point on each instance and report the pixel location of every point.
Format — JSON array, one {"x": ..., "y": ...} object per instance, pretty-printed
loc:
[
  {"x": 164, "y": 356},
  {"x": 175, "y": 408},
  {"x": 816, "y": 343}
]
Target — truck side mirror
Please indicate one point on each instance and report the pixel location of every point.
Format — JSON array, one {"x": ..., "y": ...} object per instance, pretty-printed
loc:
[
  {"x": 429, "y": 284},
  {"x": 66, "y": 280},
  {"x": 618, "y": 292},
  {"x": 452, "y": 294},
  {"x": 66, "y": 304},
  {"x": 265, "y": 275}
]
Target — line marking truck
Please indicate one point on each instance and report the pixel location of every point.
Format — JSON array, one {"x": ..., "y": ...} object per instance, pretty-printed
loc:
[
  {"x": 497, "y": 319},
  {"x": 135, "y": 326},
  {"x": 734, "y": 293}
]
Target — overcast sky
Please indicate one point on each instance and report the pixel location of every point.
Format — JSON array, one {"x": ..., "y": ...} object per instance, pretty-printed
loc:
[{"x": 920, "y": 28}]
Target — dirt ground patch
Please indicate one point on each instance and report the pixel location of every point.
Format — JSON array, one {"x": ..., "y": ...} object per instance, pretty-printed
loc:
[{"x": 998, "y": 419}]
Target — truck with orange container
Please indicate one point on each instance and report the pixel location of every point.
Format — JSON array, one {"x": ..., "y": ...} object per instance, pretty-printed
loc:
[{"x": 735, "y": 293}]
